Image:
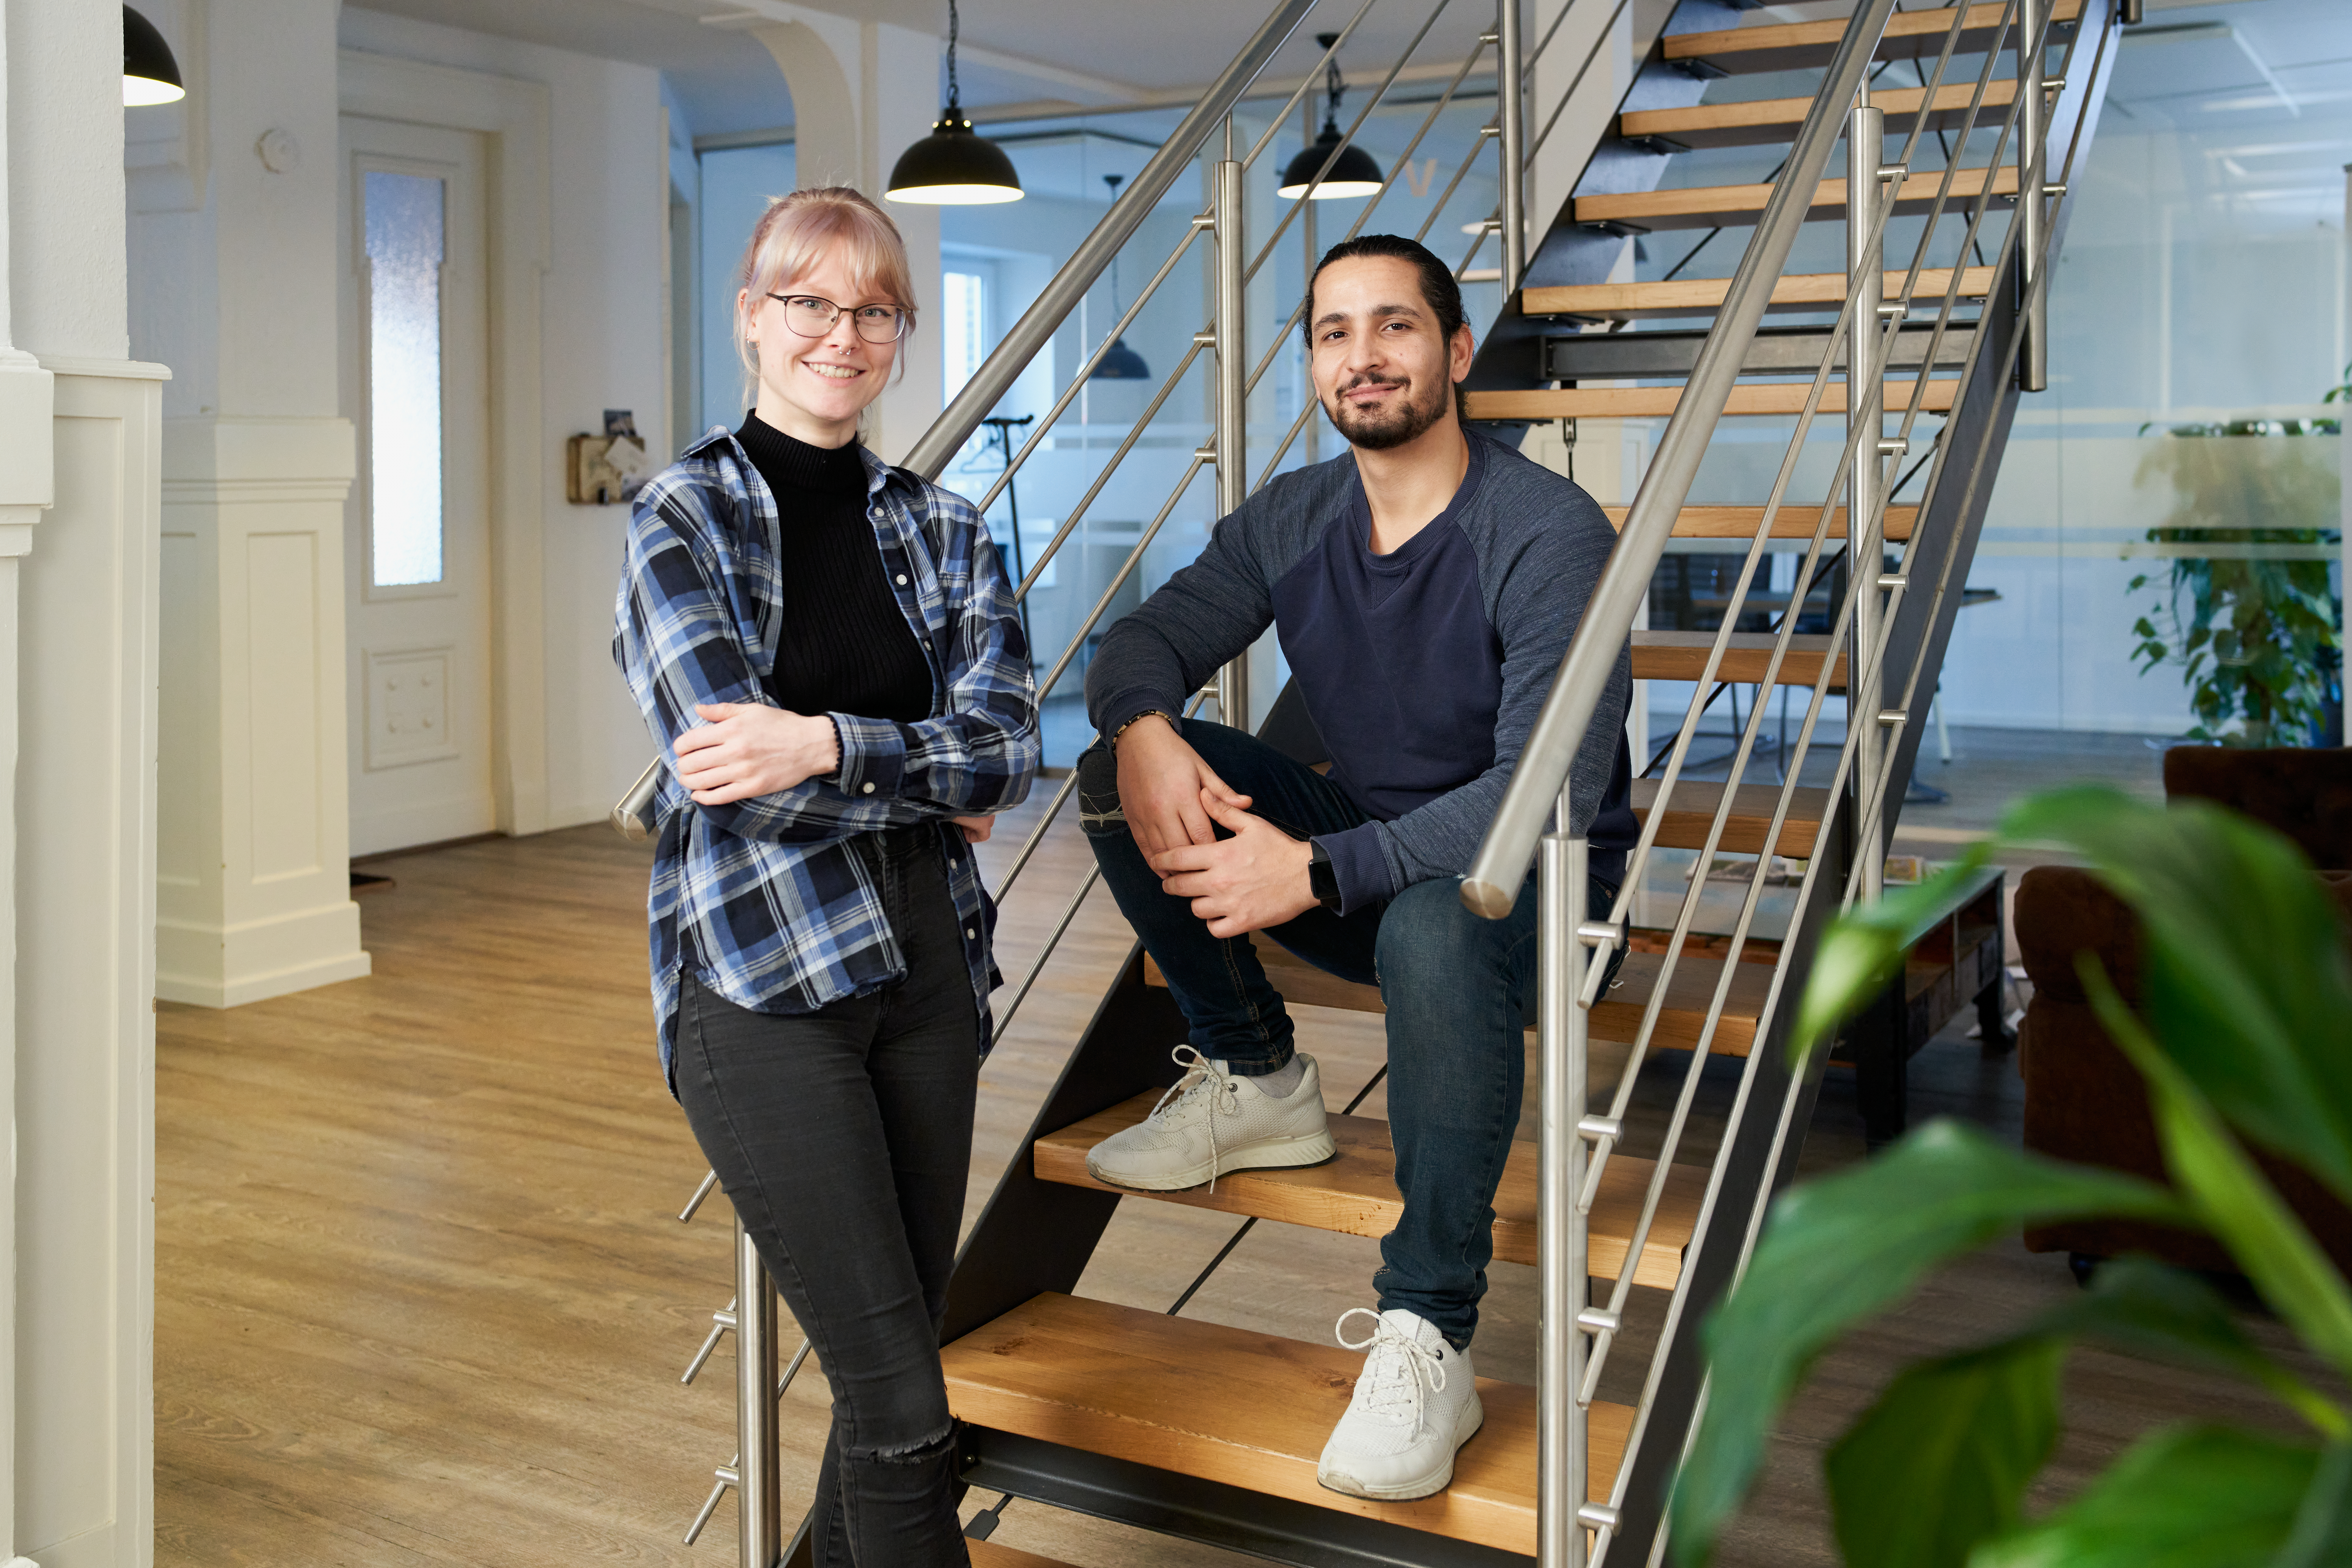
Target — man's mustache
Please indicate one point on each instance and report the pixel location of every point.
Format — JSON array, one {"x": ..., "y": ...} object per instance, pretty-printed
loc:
[{"x": 1368, "y": 379}]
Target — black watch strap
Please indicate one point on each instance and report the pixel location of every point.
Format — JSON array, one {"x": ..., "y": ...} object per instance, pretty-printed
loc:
[{"x": 1322, "y": 877}]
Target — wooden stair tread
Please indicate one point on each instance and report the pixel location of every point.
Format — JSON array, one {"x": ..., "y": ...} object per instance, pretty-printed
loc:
[
  {"x": 1713, "y": 206},
  {"x": 1681, "y": 656},
  {"x": 1780, "y": 399},
  {"x": 1803, "y": 46},
  {"x": 1761, "y": 122},
  {"x": 1790, "y": 522},
  {"x": 1616, "y": 1016},
  {"x": 1693, "y": 809},
  {"x": 1700, "y": 296},
  {"x": 988, "y": 1554},
  {"x": 1242, "y": 1408},
  {"x": 1356, "y": 1194}
]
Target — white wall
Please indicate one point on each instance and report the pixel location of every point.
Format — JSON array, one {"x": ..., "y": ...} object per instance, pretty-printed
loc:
[{"x": 603, "y": 347}]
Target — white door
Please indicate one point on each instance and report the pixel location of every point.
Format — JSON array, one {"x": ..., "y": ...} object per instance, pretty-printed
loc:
[{"x": 416, "y": 532}]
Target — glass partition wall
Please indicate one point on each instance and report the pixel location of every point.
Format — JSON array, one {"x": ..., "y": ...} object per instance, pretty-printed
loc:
[{"x": 2162, "y": 557}]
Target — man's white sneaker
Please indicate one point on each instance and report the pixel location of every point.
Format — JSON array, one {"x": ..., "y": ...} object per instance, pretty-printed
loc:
[
  {"x": 1213, "y": 1122},
  {"x": 1415, "y": 1402}
]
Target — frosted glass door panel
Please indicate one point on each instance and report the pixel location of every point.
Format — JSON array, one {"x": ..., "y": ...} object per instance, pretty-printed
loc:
[
  {"x": 413, "y": 250},
  {"x": 404, "y": 252}
]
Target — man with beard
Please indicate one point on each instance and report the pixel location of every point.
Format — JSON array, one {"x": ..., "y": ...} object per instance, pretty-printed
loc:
[{"x": 1424, "y": 585}]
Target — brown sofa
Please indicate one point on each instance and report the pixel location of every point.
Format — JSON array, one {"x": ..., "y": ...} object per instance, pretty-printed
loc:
[{"x": 2083, "y": 1101}]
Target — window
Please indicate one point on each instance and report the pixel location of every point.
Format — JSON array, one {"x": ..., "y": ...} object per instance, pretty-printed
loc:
[
  {"x": 964, "y": 338},
  {"x": 404, "y": 222}
]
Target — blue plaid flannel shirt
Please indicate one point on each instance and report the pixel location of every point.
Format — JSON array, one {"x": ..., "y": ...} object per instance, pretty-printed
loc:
[{"x": 765, "y": 899}]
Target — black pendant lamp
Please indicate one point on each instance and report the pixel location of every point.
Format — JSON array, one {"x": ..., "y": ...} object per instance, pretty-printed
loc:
[
  {"x": 953, "y": 166},
  {"x": 1122, "y": 362},
  {"x": 1355, "y": 173},
  {"x": 150, "y": 74}
]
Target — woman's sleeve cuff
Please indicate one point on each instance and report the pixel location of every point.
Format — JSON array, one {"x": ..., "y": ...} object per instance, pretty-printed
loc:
[{"x": 873, "y": 756}]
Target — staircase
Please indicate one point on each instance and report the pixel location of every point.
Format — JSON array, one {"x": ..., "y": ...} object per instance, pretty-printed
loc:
[{"x": 1919, "y": 351}]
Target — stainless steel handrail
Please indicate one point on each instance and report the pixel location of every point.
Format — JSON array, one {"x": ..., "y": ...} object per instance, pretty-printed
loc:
[{"x": 1493, "y": 884}]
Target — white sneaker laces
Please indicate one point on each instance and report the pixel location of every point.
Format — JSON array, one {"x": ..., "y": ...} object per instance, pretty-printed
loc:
[
  {"x": 1200, "y": 1079},
  {"x": 1392, "y": 1384}
]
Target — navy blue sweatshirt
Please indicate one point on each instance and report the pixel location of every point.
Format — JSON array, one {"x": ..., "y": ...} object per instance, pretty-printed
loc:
[{"x": 1423, "y": 670}]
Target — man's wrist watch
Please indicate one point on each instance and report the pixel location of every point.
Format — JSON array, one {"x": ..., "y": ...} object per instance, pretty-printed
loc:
[{"x": 1322, "y": 877}]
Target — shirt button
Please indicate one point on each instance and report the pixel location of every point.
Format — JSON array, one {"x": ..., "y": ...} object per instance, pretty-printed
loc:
[
  {"x": 870, "y": 789},
  {"x": 970, "y": 932},
  {"x": 902, "y": 579}
]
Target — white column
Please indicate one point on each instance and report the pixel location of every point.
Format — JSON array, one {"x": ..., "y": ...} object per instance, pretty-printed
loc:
[
  {"x": 78, "y": 517},
  {"x": 863, "y": 92},
  {"x": 240, "y": 294},
  {"x": 27, "y": 488}
]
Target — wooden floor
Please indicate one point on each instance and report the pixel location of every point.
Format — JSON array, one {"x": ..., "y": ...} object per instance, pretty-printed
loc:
[{"x": 421, "y": 1299}]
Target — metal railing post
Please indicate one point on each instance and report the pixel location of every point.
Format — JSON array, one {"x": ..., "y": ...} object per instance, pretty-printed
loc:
[
  {"x": 760, "y": 1520},
  {"x": 1866, "y": 470},
  {"x": 2032, "y": 207},
  {"x": 1561, "y": 1025},
  {"x": 1232, "y": 392},
  {"x": 1510, "y": 81}
]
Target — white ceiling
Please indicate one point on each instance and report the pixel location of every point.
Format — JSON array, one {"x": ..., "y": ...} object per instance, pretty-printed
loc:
[{"x": 1080, "y": 52}]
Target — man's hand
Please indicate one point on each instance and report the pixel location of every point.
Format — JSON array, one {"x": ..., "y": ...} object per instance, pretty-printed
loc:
[
  {"x": 1254, "y": 880},
  {"x": 976, "y": 829},
  {"x": 748, "y": 750},
  {"x": 1162, "y": 784}
]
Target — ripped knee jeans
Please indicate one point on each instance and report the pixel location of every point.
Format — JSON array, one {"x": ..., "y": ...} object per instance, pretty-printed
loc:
[{"x": 844, "y": 1138}]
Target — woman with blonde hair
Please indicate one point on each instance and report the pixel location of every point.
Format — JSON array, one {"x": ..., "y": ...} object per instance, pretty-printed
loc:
[{"x": 828, "y": 647}]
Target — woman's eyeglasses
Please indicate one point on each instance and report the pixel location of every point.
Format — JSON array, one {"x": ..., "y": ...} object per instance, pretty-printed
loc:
[{"x": 812, "y": 317}]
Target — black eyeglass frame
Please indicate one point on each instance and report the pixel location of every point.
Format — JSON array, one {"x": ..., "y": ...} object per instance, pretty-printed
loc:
[{"x": 904, "y": 316}]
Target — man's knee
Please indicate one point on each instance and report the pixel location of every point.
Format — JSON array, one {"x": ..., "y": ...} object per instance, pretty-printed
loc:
[
  {"x": 1430, "y": 944},
  {"x": 1099, "y": 814}
]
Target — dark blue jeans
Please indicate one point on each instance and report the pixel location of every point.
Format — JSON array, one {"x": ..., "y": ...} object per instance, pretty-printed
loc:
[{"x": 1460, "y": 991}]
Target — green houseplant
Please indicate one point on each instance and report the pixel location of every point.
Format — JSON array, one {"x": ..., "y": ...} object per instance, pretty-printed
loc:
[
  {"x": 2247, "y": 1040},
  {"x": 2256, "y": 635}
]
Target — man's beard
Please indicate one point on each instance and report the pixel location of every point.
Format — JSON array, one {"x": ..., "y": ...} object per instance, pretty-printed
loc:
[{"x": 1390, "y": 427}]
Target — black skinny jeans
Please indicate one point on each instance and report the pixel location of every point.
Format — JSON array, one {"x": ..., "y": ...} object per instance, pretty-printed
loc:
[{"x": 844, "y": 1138}]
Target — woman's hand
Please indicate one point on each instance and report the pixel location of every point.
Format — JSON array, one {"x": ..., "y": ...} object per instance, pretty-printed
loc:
[
  {"x": 748, "y": 750},
  {"x": 976, "y": 829}
]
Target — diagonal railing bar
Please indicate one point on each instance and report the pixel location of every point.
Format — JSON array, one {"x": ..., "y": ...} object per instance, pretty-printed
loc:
[
  {"x": 1980, "y": 208},
  {"x": 1134, "y": 558},
  {"x": 1346, "y": 140},
  {"x": 1308, "y": 84},
  {"x": 1037, "y": 834},
  {"x": 1637, "y": 863},
  {"x": 1880, "y": 787},
  {"x": 1874, "y": 787},
  {"x": 1135, "y": 433},
  {"x": 1070, "y": 912},
  {"x": 1396, "y": 167},
  {"x": 997, "y": 372},
  {"x": 1608, "y": 28},
  {"x": 1078, "y": 380},
  {"x": 1503, "y": 858}
]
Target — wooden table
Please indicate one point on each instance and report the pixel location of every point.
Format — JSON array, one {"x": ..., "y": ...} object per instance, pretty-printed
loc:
[{"x": 1954, "y": 959}]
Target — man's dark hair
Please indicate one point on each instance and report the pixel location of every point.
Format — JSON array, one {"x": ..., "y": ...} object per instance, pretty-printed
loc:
[{"x": 1439, "y": 291}]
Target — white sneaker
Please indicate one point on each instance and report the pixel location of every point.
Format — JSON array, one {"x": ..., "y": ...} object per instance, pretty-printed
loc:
[
  {"x": 1213, "y": 1122},
  {"x": 1416, "y": 1400}
]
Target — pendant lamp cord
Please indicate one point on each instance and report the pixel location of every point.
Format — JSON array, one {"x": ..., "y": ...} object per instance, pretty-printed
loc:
[
  {"x": 1114, "y": 182},
  {"x": 954, "y": 100},
  {"x": 1334, "y": 86}
]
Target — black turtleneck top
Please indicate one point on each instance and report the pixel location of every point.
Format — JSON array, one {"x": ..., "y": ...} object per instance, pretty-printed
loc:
[{"x": 846, "y": 646}]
